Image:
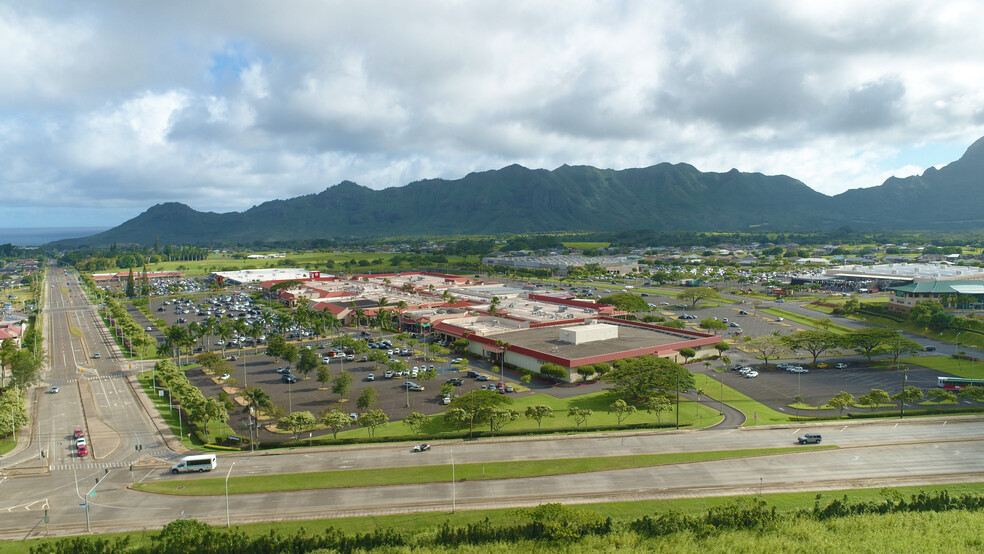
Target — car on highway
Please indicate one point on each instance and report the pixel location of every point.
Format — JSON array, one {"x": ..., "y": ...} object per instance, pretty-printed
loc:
[
  {"x": 424, "y": 447},
  {"x": 810, "y": 438},
  {"x": 841, "y": 365},
  {"x": 96, "y": 356},
  {"x": 54, "y": 390}
]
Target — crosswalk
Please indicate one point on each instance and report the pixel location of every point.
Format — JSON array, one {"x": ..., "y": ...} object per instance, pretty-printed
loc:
[
  {"x": 88, "y": 465},
  {"x": 117, "y": 375}
]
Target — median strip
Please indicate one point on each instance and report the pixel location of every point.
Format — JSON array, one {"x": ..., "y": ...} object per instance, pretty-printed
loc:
[{"x": 346, "y": 478}]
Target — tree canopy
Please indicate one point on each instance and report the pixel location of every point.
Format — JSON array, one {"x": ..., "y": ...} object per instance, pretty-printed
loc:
[{"x": 636, "y": 379}]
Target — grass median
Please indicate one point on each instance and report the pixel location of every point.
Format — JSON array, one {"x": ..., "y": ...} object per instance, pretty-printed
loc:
[{"x": 442, "y": 473}]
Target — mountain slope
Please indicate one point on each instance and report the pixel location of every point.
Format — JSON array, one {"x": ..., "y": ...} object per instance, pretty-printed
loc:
[{"x": 576, "y": 198}]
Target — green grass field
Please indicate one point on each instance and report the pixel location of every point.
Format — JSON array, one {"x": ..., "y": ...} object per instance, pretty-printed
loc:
[
  {"x": 805, "y": 320},
  {"x": 755, "y": 412},
  {"x": 442, "y": 473},
  {"x": 953, "y": 366},
  {"x": 170, "y": 415},
  {"x": 598, "y": 402},
  {"x": 306, "y": 260}
]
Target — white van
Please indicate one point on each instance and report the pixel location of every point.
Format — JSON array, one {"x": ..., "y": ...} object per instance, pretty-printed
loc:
[{"x": 205, "y": 462}]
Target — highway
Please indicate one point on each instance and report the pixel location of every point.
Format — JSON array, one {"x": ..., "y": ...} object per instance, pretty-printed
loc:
[{"x": 101, "y": 399}]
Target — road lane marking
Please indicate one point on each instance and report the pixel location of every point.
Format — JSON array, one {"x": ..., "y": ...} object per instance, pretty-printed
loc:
[
  {"x": 845, "y": 427},
  {"x": 894, "y": 426}
]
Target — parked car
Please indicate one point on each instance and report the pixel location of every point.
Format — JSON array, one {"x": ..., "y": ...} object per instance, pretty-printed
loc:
[
  {"x": 751, "y": 374},
  {"x": 371, "y": 377},
  {"x": 283, "y": 370},
  {"x": 841, "y": 366},
  {"x": 78, "y": 433},
  {"x": 288, "y": 378},
  {"x": 509, "y": 388},
  {"x": 780, "y": 319},
  {"x": 83, "y": 451},
  {"x": 97, "y": 355},
  {"x": 457, "y": 360},
  {"x": 810, "y": 438},
  {"x": 354, "y": 416},
  {"x": 742, "y": 312},
  {"x": 930, "y": 349},
  {"x": 447, "y": 399},
  {"x": 54, "y": 390},
  {"x": 472, "y": 373},
  {"x": 422, "y": 447},
  {"x": 225, "y": 376},
  {"x": 455, "y": 381},
  {"x": 482, "y": 378},
  {"x": 733, "y": 324},
  {"x": 80, "y": 442}
]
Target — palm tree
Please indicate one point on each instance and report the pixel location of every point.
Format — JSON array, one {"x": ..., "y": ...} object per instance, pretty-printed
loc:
[
  {"x": 360, "y": 314},
  {"x": 332, "y": 322},
  {"x": 382, "y": 302},
  {"x": 241, "y": 328},
  {"x": 256, "y": 331},
  {"x": 257, "y": 400},
  {"x": 224, "y": 331}
]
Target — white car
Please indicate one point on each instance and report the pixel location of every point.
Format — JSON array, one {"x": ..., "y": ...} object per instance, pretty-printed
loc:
[
  {"x": 80, "y": 441},
  {"x": 751, "y": 374},
  {"x": 780, "y": 319},
  {"x": 225, "y": 376},
  {"x": 841, "y": 366}
]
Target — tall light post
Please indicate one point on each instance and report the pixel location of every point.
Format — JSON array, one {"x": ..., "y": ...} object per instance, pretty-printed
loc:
[
  {"x": 452, "y": 481},
  {"x": 956, "y": 349},
  {"x": 228, "y": 521},
  {"x": 290, "y": 405}
]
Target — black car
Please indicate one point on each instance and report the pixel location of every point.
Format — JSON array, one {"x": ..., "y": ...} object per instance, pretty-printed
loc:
[
  {"x": 455, "y": 381},
  {"x": 472, "y": 373},
  {"x": 288, "y": 378}
]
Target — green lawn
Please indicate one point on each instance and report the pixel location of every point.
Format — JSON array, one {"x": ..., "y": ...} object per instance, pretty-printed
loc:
[
  {"x": 6, "y": 445},
  {"x": 586, "y": 245},
  {"x": 598, "y": 402},
  {"x": 805, "y": 320},
  {"x": 953, "y": 366},
  {"x": 442, "y": 473},
  {"x": 755, "y": 412},
  {"x": 170, "y": 415},
  {"x": 307, "y": 260}
]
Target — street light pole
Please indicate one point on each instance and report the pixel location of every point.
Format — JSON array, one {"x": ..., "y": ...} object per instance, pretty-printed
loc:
[
  {"x": 452, "y": 482},
  {"x": 956, "y": 349},
  {"x": 228, "y": 521}
]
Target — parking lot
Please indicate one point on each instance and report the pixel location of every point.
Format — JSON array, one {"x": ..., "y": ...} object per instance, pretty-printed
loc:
[
  {"x": 306, "y": 394},
  {"x": 777, "y": 388}
]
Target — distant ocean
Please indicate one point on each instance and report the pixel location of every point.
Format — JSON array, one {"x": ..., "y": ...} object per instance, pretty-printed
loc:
[{"x": 24, "y": 236}]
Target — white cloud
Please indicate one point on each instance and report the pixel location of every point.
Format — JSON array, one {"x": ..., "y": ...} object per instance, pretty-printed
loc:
[{"x": 223, "y": 105}]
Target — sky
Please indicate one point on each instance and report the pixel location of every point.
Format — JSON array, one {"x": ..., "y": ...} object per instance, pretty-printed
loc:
[{"x": 110, "y": 107}]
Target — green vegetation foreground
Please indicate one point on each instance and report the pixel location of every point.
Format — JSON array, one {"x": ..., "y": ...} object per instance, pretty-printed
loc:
[{"x": 924, "y": 522}]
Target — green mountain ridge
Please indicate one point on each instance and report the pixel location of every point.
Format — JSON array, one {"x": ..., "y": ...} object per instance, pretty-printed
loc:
[{"x": 516, "y": 199}]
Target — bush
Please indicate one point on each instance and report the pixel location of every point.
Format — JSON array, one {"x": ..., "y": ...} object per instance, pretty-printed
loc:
[{"x": 554, "y": 370}]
